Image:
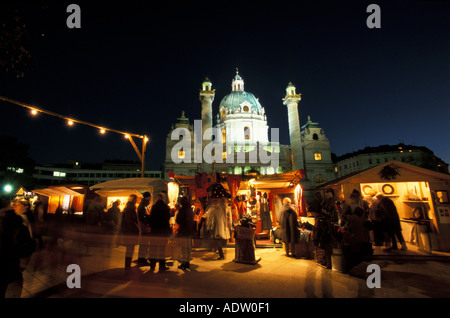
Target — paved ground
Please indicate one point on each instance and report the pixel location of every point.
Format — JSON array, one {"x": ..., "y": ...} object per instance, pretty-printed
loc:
[{"x": 406, "y": 274}]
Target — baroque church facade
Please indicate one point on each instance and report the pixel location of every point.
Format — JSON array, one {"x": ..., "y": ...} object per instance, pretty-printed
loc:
[{"x": 240, "y": 140}]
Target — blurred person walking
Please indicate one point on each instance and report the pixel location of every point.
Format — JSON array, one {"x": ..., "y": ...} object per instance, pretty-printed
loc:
[
  {"x": 16, "y": 243},
  {"x": 160, "y": 230},
  {"x": 218, "y": 224},
  {"x": 393, "y": 226},
  {"x": 130, "y": 229},
  {"x": 143, "y": 212},
  {"x": 185, "y": 221}
]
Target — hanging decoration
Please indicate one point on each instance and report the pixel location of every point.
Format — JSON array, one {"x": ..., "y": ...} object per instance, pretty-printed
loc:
[{"x": 389, "y": 173}]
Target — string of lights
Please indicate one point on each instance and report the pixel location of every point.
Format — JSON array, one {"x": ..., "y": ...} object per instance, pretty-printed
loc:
[{"x": 71, "y": 121}]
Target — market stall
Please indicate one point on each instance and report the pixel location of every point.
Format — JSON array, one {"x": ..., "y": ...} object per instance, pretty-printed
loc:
[
  {"x": 63, "y": 199},
  {"x": 420, "y": 196},
  {"x": 121, "y": 189},
  {"x": 276, "y": 187},
  {"x": 258, "y": 196}
]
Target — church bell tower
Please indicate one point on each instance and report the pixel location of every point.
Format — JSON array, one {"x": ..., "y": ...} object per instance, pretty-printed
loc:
[
  {"x": 291, "y": 101},
  {"x": 206, "y": 98}
]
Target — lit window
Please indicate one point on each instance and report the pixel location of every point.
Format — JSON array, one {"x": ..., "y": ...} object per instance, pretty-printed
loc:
[
  {"x": 224, "y": 136},
  {"x": 181, "y": 154},
  {"x": 59, "y": 174},
  {"x": 224, "y": 155},
  {"x": 247, "y": 133},
  {"x": 317, "y": 156},
  {"x": 246, "y": 109}
]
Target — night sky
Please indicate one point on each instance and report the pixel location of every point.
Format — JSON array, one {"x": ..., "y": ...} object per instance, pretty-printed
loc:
[{"x": 135, "y": 65}]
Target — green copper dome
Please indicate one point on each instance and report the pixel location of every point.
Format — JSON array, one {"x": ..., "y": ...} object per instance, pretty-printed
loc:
[{"x": 234, "y": 100}]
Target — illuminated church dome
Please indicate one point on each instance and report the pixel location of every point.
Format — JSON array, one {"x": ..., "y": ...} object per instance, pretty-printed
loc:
[
  {"x": 240, "y": 101},
  {"x": 241, "y": 117}
]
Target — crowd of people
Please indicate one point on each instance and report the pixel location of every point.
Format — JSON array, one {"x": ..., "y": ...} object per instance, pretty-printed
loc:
[
  {"x": 151, "y": 228},
  {"x": 357, "y": 225}
]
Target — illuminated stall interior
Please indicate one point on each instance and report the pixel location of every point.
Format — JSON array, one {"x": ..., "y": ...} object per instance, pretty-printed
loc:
[
  {"x": 67, "y": 198},
  {"x": 121, "y": 189},
  {"x": 253, "y": 193},
  {"x": 420, "y": 196}
]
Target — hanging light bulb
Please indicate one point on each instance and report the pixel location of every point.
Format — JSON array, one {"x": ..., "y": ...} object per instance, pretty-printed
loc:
[
  {"x": 102, "y": 131},
  {"x": 70, "y": 122},
  {"x": 34, "y": 112},
  {"x": 127, "y": 136}
]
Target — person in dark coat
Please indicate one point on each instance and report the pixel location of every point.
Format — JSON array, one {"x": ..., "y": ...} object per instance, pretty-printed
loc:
[
  {"x": 15, "y": 243},
  {"x": 130, "y": 229},
  {"x": 94, "y": 212},
  {"x": 160, "y": 230},
  {"x": 289, "y": 224},
  {"x": 144, "y": 243},
  {"x": 185, "y": 221},
  {"x": 110, "y": 223},
  {"x": 393, "y": 226}
]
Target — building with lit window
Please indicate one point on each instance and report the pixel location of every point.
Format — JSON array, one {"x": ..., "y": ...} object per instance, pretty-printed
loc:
[
  {"x": 89, "y": 174},
  {"x": 242, "y": 129},
  {"x": 372, "y": 156}
]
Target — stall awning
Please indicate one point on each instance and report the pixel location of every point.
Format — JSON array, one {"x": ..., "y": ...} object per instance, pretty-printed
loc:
[
  {"x": 407, "y": 173},
  {"x": 277, "y": 181},
  {"x": 118, "y": 193},
  {"x": 125, "y": 187},
  {"x": 57, "y": 191}
]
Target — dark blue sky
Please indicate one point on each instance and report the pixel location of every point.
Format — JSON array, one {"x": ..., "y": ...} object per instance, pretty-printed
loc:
[{"x": 134, "y": 66}]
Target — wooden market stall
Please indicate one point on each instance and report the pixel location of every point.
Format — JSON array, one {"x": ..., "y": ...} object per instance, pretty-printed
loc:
[
  {"x": 421, "y": 197},
  {"x": 121, "y": 189},
  {"x": 260, "y": 196},
  {"x": 63, "y": 199}
]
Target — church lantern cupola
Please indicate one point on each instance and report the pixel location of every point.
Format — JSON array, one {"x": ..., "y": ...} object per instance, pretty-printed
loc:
[
  {"x": 237, "y": 85},
  {"x": 206, "y": 85}
]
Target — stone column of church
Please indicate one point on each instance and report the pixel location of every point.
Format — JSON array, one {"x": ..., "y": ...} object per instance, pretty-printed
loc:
[
  {"x": 291, "y": 101},
  {"x": 206, "y": 97}
]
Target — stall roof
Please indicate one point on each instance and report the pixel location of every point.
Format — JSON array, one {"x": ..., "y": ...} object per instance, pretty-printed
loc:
[
  {"x": 125, "y": 187},
  {"x": 277, "y": 181},
  {"x": 407, "y": 173},
  {"x": 57, "y": 191},
  {"x": 272, "y": 181}
]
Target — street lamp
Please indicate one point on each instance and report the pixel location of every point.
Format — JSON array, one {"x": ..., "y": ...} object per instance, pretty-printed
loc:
[{"x": 7, "y": 188}]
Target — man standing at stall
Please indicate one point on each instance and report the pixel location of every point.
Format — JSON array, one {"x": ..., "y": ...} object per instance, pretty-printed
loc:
[
  {"x": 289, "y": 224},
  {"x": 393, "y": 226},
  {"x": 144, "y": 241},
  {"x": 159, "y": 233}
]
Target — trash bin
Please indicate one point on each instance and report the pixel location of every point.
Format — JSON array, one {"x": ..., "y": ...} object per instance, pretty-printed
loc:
[{"x": 245, "y": 246}]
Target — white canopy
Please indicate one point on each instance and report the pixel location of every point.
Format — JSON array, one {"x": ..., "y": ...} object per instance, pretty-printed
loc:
[{"x": 126, "y": 187}]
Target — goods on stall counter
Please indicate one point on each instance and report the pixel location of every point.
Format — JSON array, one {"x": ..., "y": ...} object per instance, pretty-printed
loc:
[
  {"x": 245, "y": 221},
  {"x": 276, "y": 235}
]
